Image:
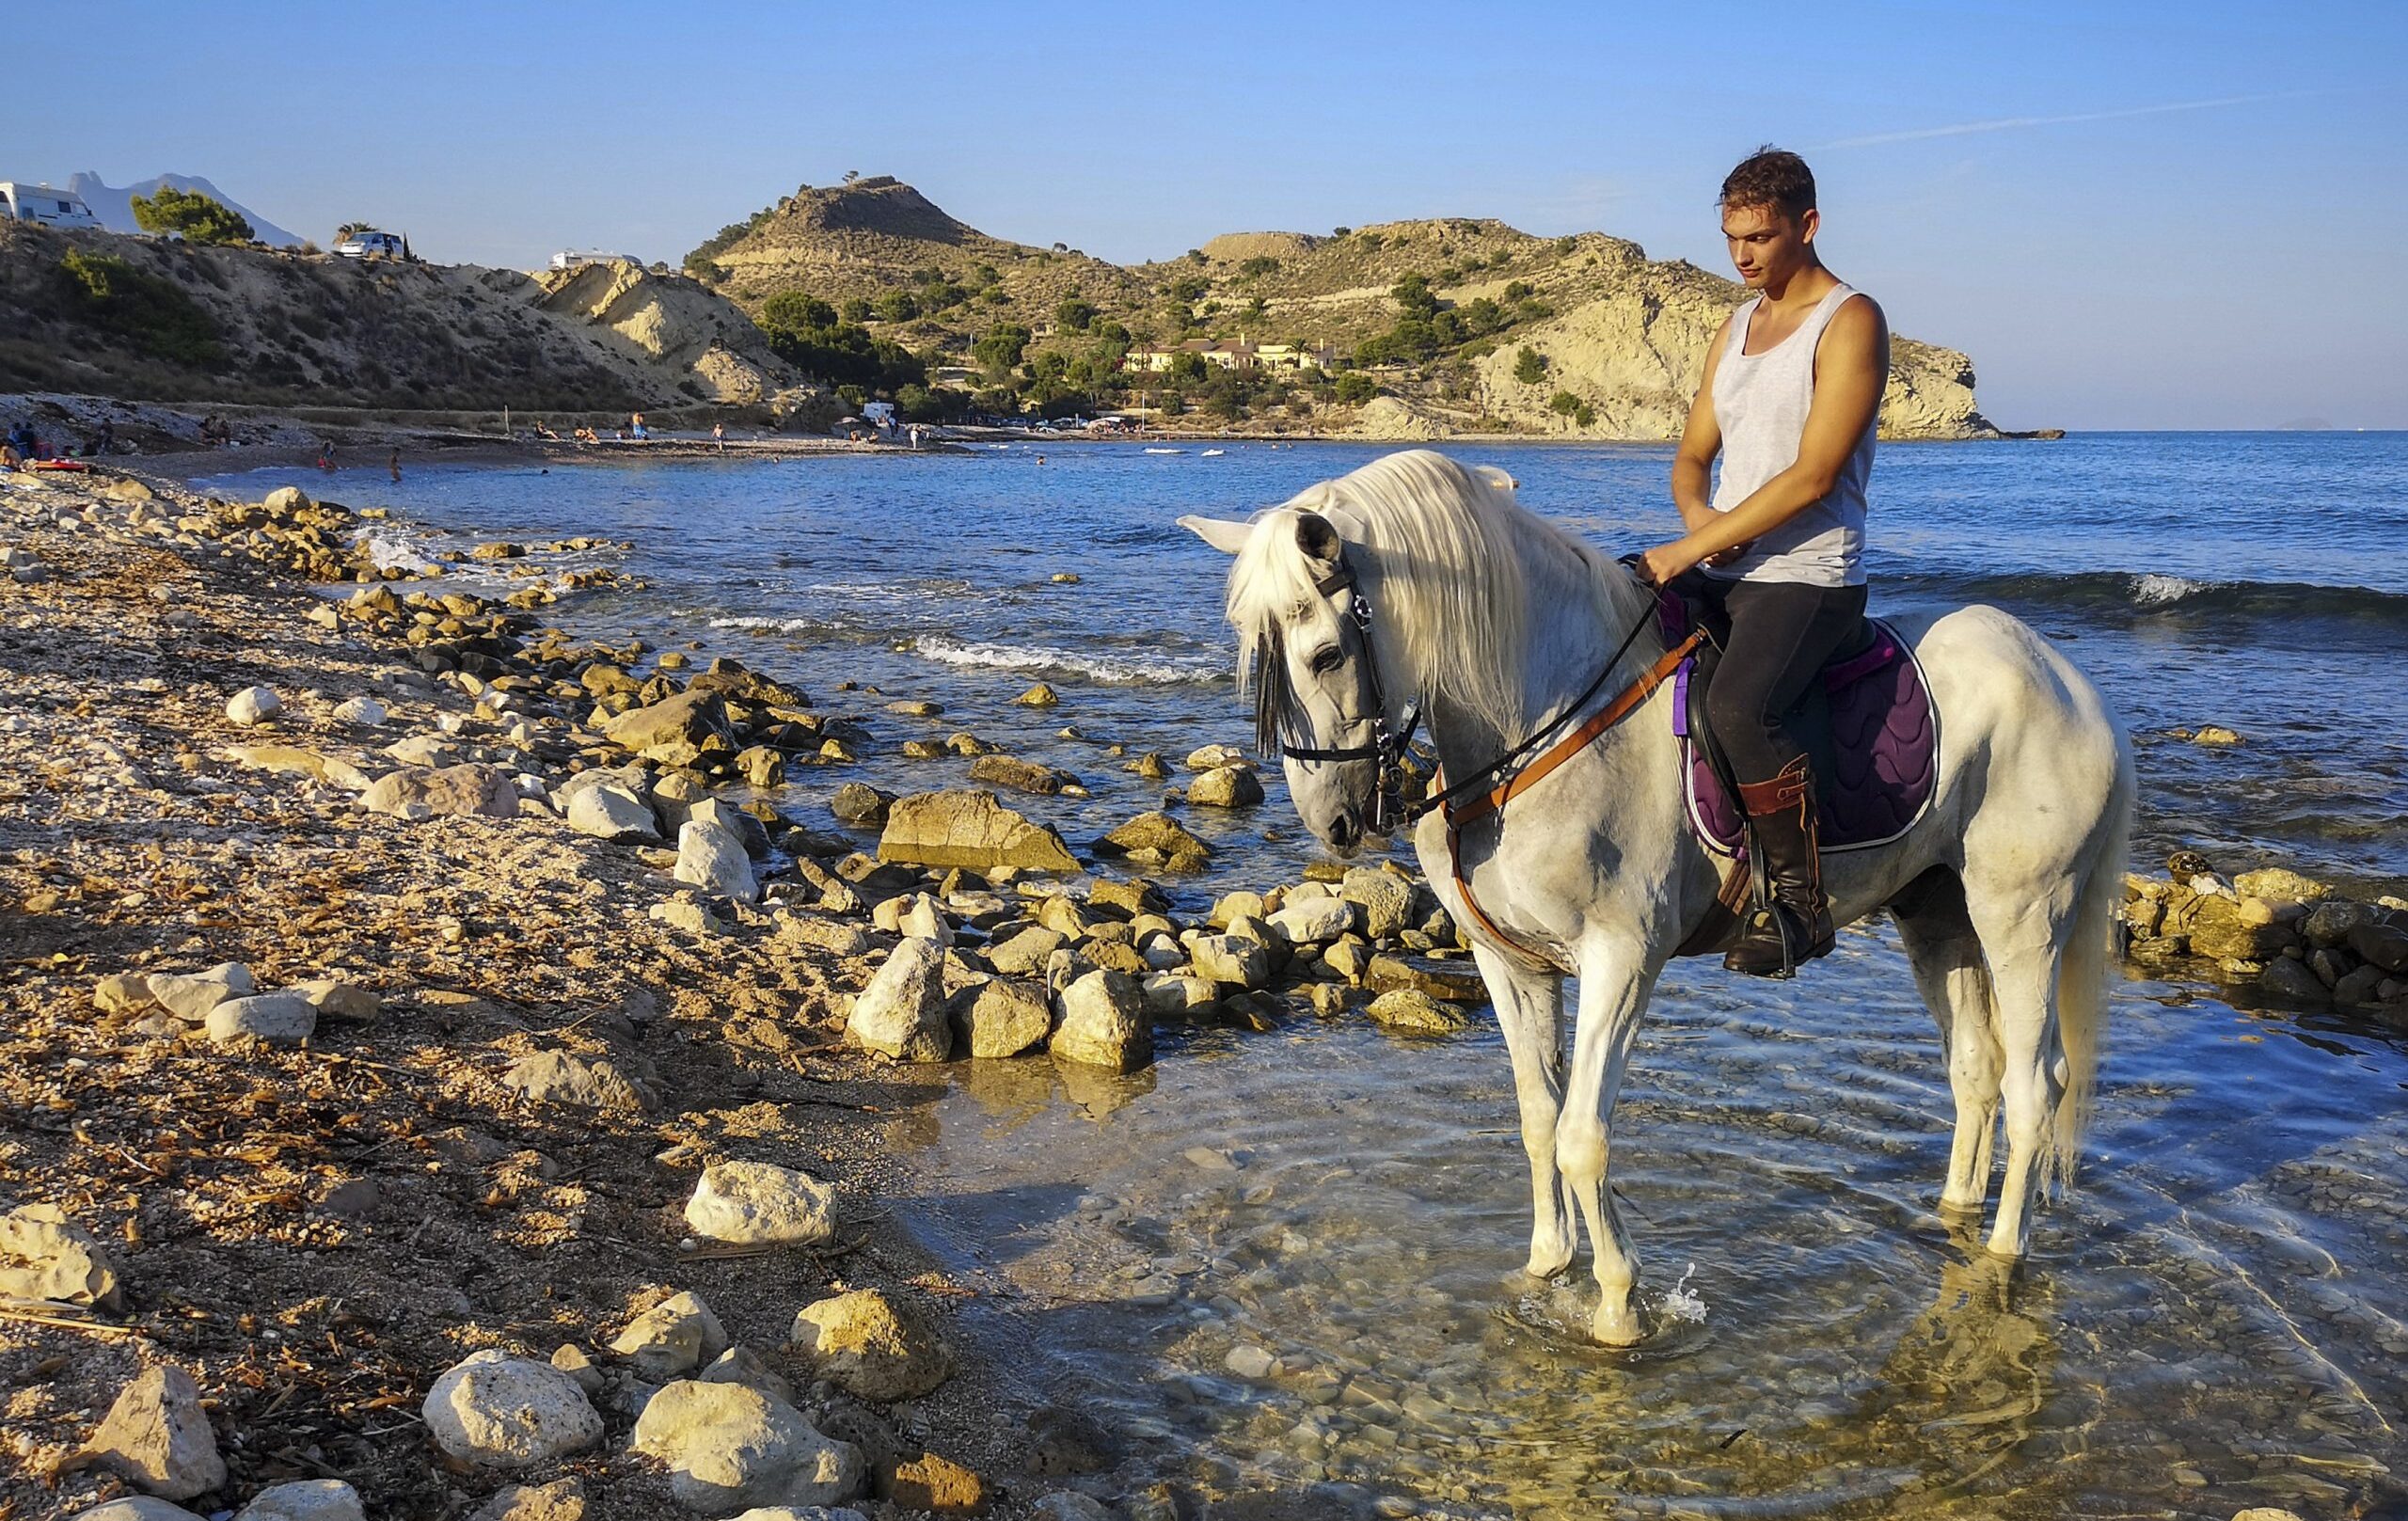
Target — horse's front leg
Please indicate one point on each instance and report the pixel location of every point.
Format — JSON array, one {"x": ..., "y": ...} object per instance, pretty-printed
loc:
[
  {"x": 1615, "y": 980},
  {"x": 1529, "y": 1010}
]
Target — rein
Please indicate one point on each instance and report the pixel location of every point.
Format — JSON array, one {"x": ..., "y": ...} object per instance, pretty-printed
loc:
[{"x": 1388, "y": 746}]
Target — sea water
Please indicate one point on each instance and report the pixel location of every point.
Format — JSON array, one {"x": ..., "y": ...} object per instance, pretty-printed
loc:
[{"x": 1273, "y": 1262}]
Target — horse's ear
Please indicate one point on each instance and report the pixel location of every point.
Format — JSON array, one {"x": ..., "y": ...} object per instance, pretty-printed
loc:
[
  {"x": 1223, "y": 533},
  {"x": 1316, "y": 536}
]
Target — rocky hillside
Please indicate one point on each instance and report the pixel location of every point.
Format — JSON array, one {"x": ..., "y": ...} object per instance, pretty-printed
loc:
[
  {"x": 1620, "y": 339},
  {"x": 96, "y": 314}
]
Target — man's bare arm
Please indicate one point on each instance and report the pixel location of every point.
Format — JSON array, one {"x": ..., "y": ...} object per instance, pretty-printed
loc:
[{"x": 1851, "y": 367}]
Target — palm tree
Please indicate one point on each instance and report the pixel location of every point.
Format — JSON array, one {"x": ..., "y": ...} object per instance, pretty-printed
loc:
[{"x": 352, "y": 229}]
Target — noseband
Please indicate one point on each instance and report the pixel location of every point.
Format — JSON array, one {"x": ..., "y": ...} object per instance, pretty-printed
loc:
[{"x": 1388, "y": 745}]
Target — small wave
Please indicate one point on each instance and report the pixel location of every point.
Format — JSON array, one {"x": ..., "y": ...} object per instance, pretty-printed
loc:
[
  {"x": 388, "y": 549},
  {"x": 1119, "y": 670},
  {"x": 2161, "y": 594}
]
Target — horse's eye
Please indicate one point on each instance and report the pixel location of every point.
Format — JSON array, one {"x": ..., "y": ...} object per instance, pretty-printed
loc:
[{"x": 1329, "y": 659}]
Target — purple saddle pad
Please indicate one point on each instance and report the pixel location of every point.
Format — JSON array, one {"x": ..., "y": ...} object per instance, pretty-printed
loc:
[{"x": 1876, "y": 768}]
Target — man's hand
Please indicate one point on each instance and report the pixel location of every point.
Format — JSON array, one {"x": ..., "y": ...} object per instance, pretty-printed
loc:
[
  {"x": 1667, "y": 562},
  {"x": 1731, "y": 556}
]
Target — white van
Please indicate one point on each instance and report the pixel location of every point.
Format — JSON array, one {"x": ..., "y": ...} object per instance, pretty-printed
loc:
[
  {"x": 361, "y": 245},
  {"x": 46, "y": 204}
]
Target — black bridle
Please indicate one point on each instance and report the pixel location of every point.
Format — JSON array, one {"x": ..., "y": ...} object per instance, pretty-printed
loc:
[{"x": 1390, "y": 745}]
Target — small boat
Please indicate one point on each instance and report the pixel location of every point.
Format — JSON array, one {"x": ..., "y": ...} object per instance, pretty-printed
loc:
[
  {"x": 1165, "y": 451},
  {"x": 1213, "y": 453}
]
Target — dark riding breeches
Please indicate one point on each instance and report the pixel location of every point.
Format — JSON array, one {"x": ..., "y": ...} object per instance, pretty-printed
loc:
[{"x": 1775, "y": 637}]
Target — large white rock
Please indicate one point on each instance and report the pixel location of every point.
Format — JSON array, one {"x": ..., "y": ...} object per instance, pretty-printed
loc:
[
  {"x": 418, "y": 792},
  {"x": 671, "y": 1339},
  {"x": 901, "y": 1013},
  {"x": 360, "y": 713},
  {"x": 190, "y": 996},
  {"x": 557, "y": 1077},
  {"x": 750, "y": 1203},
  {"x": 870, "y": 1347},
  {"x": 1234, "y": 958},
  {"x": 502, "y": 1412},
  {"x": 1387, "y": 902},
  {"x": 1000, "y": 1017},
  {"x": 135, "y": 1508},
  {"x": 44, "y": 1255},
  {"x": 1314, "y": 921},
  {"x": 157, "y": 1435},
  {"x": 727, "y": 1446},
  {"x": 612, "y": 812},
  {"x": 279, "y": 1019},
  {"x": 304, "y": 1499},
  {"x": 253, "y": 705},
  {"x": 1104, "y": 1024},
  {"x": 712, "y": 859}
]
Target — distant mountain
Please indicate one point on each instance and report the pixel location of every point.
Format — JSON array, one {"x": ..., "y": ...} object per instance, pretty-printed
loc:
[{"x": 115, "y": 207}]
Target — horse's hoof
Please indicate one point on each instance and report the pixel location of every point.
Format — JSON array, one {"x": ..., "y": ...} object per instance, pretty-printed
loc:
[
  {"x": 1617, "y": 1327},
  {"x": 1549, "y": 1267}
]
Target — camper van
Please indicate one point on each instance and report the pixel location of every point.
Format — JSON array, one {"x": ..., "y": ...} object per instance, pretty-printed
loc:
[
  {"x": 46, "y": 204},
  {"x": 572, "y": 258},
  {"x": 361, "y": 245}
]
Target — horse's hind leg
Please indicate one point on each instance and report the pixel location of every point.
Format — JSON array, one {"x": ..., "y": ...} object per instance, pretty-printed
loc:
[
  {"x": 2025, "y": 936},
  {"x": 1530, "y": 1011},
  {"x": 1955, "y": 979}
]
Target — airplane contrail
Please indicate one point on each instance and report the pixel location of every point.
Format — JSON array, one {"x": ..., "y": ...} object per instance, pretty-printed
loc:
[{"x": 1962, "y": 129}]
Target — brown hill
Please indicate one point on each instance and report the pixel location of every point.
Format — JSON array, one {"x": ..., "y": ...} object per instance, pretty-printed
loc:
[
  {"x": 101, "y": 314},
  {"x": 1619, "y": 334}
]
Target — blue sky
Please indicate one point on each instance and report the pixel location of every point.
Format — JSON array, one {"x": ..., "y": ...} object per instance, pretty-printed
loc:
[{"x": 2131, "y": 215}]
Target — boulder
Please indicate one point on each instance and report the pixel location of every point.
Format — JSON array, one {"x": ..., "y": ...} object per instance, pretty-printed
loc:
[
  {"x": 157, "y": 1435},
  {"x": 561, "y": 1499},
  {"x": 712, "y": 859},
  {"x": 729, "y": 1447},
  {"x": 675, "y": 731},
  {"x": 335, "y": 999},
  {"x": 1452, "y": 982},
  {"x": 900, "y": 1015},
  {"x": 2288, "y": 981},
  {"x": 2217, "y": 928},
  {"x": 1025, "y": 953},
  {"x": 1314, "y": 921},
  {"x": 1169, "y": 997},
  {"x": 253, "y": 705},
  {"x": 750, "y": 832},
  {"x": 968, "y": 828},
  {"x": 1213, "y": 757},
  {"x": 858, "y": 803},
  {"x": 1387, "y": 902},
  {"x": 1157, "y": 837},
  {"x": 123, "y": 992},
  {"x": 45, "y": 1255},
  {"x": 2329, "y": 924},
  {"x": 1019, "y": 775},
  {"x": 190, "y": 998},
  {"x": 1040, "y": 695},
  {"x": 2280, "y": 884},
  {"x": 1000, "y": 1017},
  {"x": 2382, "y": 944},
  {"x": 558, "y": 1077},
  {"x": 762, "y": 766},
  {"x": 135, "y": 1508},
  {"x": 935, "y": 1483},
  {"x": 755, "y": 1203},
  {"x": 1104, "y": 1024},
  {"x": 1406, "y": 1012},
  {"x": 283, "y": 1018},
  {"x": 870, "y": 1347},
  {"x": 450, "y": 791},
  {"x": 742, "y": 1365},
  {"x": 304, "y": 1499},
  {"x": 671, "y": 1339},
  {"x": 1236, "y": 960},
  {"x": 1225, "y": 787},
  {"x": 614, "y": 812},
  {"x": 360, "y": 713},
  {"x": 498, "y": 1411}
]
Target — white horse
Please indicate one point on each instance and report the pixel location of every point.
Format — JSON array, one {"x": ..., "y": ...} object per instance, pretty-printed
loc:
[{"x": 1418, "y": 578}]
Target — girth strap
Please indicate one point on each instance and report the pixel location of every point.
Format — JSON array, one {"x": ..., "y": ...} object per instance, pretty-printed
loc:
[{"x": 1481, "y": 806}]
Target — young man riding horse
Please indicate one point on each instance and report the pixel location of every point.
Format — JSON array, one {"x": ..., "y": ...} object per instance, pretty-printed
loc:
[{"x": 1774, "y": 558}]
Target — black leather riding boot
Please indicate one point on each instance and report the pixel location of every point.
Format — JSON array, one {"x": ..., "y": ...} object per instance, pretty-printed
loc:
[{"x": 1796, "y": 925}]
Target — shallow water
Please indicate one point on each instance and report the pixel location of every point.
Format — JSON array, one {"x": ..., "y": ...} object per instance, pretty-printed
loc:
[{"x": 2217, "y": 1317}]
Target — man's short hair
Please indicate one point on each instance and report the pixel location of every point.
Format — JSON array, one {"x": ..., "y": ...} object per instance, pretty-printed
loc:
[{"x": 1771, "y": 177}]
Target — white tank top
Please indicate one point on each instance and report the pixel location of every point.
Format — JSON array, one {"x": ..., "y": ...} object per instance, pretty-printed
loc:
[{"x": 1760, "y": 402}]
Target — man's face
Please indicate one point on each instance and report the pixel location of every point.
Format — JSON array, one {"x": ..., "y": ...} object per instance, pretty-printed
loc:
[{"x": 1767, "y": 248}]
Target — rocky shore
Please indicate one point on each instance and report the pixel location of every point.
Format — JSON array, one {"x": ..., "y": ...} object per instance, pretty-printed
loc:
[{"x": 452, "y": 1064}]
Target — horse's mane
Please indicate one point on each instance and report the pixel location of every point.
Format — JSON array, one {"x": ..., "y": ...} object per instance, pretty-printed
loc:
[{"x": 1453, "y": 564}]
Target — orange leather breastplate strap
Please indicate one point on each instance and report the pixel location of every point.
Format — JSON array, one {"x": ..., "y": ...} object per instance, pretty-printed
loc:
[{"x": 1481, "y": 805}]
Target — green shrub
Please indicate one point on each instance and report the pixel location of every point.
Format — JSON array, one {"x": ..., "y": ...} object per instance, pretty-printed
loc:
[
  {"x": 855, "y": 310},
  {"x": 1529, "y": 366},
  {"x": 1563, "y": 404},
  {"x": 1412, "y": 296},
  {"x": 199, "y": 218},
  {"x": 897, "y": 306},
  {"x": 154, "y": 314},
  {"x": 796, "y": 312},
  {"x": 1075, "y": 314},
  {"x": 1355, "y": 389},
  {"x": 1002, "y": 347},
  {"x": 1585, "y": 415},
  {"x": 1258, "y": 264}
]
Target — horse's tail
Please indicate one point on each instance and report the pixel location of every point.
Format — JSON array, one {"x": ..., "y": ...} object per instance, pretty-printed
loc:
[{"x": 2083, "y": 971}]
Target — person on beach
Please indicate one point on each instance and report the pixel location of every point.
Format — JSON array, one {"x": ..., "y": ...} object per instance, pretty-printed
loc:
[
  {"x": 1774, "y": 556},
  {"x": 395, "y": 463},
  {"x": 636, "y": 427},
  {"x": 719, "y": 437}
]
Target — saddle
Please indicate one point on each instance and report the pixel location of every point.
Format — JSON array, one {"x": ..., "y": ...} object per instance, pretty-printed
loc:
[{"x": 1870, "y": 731}]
